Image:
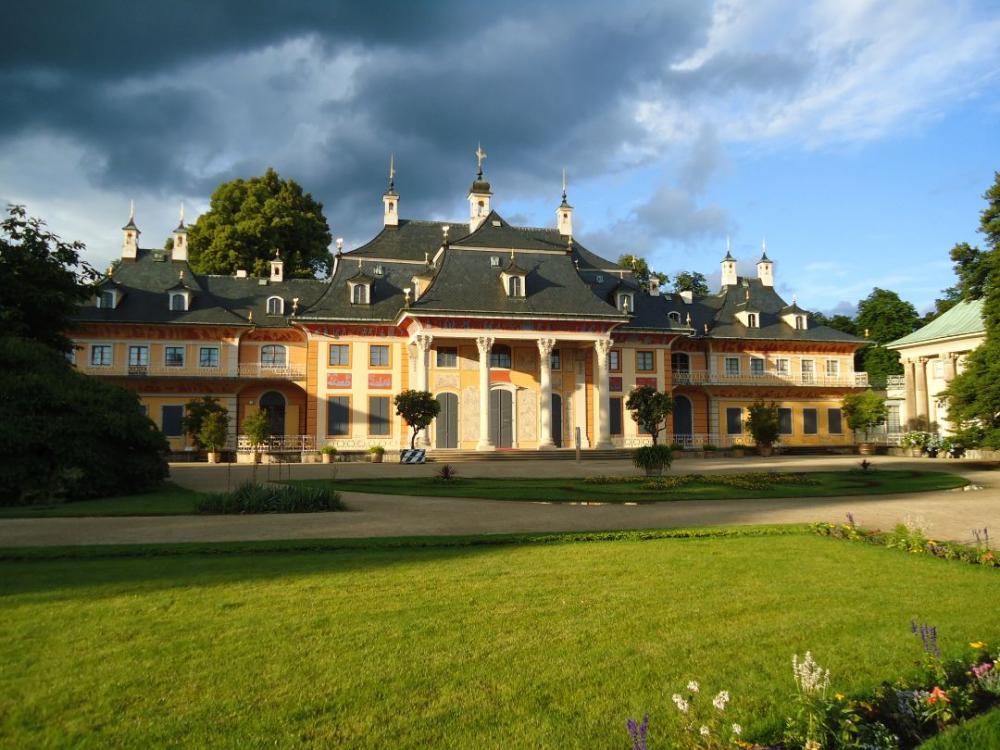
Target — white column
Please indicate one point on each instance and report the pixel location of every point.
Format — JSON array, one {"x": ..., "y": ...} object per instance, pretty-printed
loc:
[
  {"x": 602, "y": 424},
  {"x": 423, "y": 346},
  {"x": 545, "y": 394},
  {"x": 485, "y": 344}
]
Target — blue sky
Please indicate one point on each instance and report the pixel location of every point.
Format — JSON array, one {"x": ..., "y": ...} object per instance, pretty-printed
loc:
[{"x": 856, "y": 137}]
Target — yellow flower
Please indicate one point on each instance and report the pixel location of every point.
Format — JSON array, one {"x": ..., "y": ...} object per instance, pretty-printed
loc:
[
  {"x": 839, "y": 696},
  {"x": 977, "y": 644}
]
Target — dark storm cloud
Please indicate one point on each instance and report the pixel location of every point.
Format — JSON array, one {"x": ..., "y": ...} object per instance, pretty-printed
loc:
[{"x": 142, "y": 88}]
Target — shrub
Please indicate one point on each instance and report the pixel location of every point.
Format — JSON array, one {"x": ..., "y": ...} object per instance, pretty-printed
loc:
[
  {"x": 675, "y": 446},
  {"x": 195, "y": 414},
  {"x": 653, "y": 459},
  {"x": 251, "y": 497},
  {"x": 709, "y": 447},
  {"x": 64, "y": 435},
  {"x": 328, "y": 450},
  {"x": 649, "y": 408},
  {"x": 764, "y": 424},
  {"x": 257, "y": 428},
  {"x": 447, "y": 473},
  {"x": 864, "y": 410},
  {"x": 377, "y": 450}
]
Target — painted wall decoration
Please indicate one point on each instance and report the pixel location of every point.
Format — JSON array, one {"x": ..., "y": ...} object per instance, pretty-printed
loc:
[
  {"x": 615, "y": 383},
  {"x": 379, "y": 380},
  {"x": 338, "y": 380},
  {"x": 651, "y": 382}
]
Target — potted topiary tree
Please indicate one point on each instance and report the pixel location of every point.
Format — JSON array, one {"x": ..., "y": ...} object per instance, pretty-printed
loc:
[
  {"x": 195, "y": 413},
  {"x": 649, "y": 409},
  {"x": 864, "y": 411},
  {"x": 214, "y": 430},
  {"x": 764, "y": 425},
  {"x": 329, "y": 453},
  {"x": 375, "y": 453},
  {"x": 418, "y": 408},
  {"x": 257, "y": 428}
]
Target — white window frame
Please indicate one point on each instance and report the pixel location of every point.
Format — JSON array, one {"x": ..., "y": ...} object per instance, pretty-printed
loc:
[
  {"x": 183, "y": 361},
  {"x": 218, "y": 358},
  {"x": 111, "y": 355},
  {"x": 279, "y": 307},
  {"x": 273, "y": 364},
  {"x": 809, "y": 377},
  {"x": 761, "y": 369},
  {"x": 783, "y": 366},
  {"x": 752, "y": 320},
  {"x": 833, "y": 368},
  {"x": 735, "y": 373},
  {"x": 141, "y": 348},
  {"x": 100, "y": 299}
]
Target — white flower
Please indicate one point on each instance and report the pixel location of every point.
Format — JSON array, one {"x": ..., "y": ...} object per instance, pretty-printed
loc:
[
  {"x": 693, "y": 686},
  {"x": 682, "y": 705},
  {"x": 721, "y": 700},
  {"x": 704, "y": 731},
  {"x": 737, "y": 729},
  {"x": 809, "y": 676}
]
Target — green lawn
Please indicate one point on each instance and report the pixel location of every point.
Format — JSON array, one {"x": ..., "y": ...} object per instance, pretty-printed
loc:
[
  {"x": 981, "y": 733},
  {"x": 168, "y": 500},
  {"x": 533, "y": 645},
  {"x": 828, "y": 484}
]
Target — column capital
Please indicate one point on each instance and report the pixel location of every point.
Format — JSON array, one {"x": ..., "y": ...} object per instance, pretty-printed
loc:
[
  {"x": 485, "y": 344},
  {"x": 603, "y": 346},
  {"x": 545, "y": 346},
  {"x": 423, "y": 342}
]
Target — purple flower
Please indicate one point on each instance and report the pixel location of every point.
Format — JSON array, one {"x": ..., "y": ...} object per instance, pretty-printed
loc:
[{"x": 637, "y": 732}]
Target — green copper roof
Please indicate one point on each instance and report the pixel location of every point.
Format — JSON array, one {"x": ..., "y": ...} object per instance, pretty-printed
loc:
[{"x": 964, "y": 319}]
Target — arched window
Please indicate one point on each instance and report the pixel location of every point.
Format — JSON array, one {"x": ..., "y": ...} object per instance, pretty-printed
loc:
[
  {"x": 625, "y": 303},
  {"x": 275, "y": 306},
  {"x": 751, "y": 320},
  {"x": 500, "y": 357},
  {"x": 514, "y": 286},
  {"x": 178, "y": 302},
  {"x": 360, "y": 296},
  {"x": 674, "y": 316},
  {"x": 273, "y": 355}
]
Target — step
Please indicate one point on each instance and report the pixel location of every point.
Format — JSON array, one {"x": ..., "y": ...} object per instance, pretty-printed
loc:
[{"x": 451, "y": 455}]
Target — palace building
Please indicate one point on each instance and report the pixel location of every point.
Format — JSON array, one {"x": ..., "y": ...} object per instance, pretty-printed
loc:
[{"x": 526, "y": 338}]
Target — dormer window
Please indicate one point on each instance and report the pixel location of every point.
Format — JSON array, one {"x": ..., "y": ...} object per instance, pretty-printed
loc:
[
  {"x": 178, "y": 301},
  {"x": 599, "y": 278},
  {"x": 625, "y": 302},
  {"x": 360, "y": 294},
  {"x": 107, "y": 299},
  {"x": 675, "y": 317},
  {"x": 800, "y": 322},
  {"x": 495, "y": 261},
  {"x": 275, "y": 306},
  {"x": 752, "y": 320},
  {"x": 514, "y": 286}
]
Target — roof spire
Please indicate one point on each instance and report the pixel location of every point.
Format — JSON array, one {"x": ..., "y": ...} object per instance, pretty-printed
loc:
[
  {"x": 729, "y": 255},
  {"x": 392, "y": 173},
  {"x": 480, "y": 156},
  {"x": 763, "y": 249},
  {"x": 131, "y": 210}
]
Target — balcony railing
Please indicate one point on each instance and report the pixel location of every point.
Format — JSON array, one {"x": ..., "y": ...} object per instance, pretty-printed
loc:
[
  {"x": 704, "y": 377},
  {"x": 276, "y": 444},
  {"x": 252, "y": 370}
]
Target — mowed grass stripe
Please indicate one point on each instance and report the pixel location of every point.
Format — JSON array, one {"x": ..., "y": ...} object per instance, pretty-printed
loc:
[
  {"x": 711, "y": 487},
  {"x": 524, "y": 646}
]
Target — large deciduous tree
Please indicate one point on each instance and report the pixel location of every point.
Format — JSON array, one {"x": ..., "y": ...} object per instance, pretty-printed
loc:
[
  {"x": 974, "y": 395},
  {"x": 251, "y": 219},
  {"x": 43, "y": 281},
  {"x": 641, "y": 271},
  {"x": 649, "y": 408},
  {"x": 691, "y": 281},
  {"x": 883, "y": 317}
]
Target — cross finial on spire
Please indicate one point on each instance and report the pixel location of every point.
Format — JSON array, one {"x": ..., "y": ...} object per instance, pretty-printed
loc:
[
  {"x": 763, "y": 244},
  {"x": 182, "y": 213},
  {"x": 480, "y": 156},
  {"x": 727, "y": 245},
  {"x": 564, "y": 183},
  {"x": 131, "y": 210},
  {"x": 392, "y": 171}
]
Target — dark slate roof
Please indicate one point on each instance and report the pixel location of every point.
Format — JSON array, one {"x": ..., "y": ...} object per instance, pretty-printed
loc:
[
  {"x": 386, "y": 298},
  {"x": 361, "y": 277},
  {"x": 770, "y": 306},
  {"x": 497, "y": 233},
  {"x": 467, "y": 282},
  {"x": 248, "y": 294},
  {"x": 411, "y": 240},
  {"x": 651, "y": 312}
]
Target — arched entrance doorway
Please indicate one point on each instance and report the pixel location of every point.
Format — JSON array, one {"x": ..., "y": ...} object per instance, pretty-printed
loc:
[
  {"x": 502, "y": 418},
  {"x": 557, "y": 420},
  {"x": 273, "y": 404},
  {"x": 446, "y": 424},
  {"x": 683, "y": 420}
]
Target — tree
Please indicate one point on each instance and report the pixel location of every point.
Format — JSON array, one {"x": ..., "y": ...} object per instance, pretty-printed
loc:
[
  {"x": 68, "y": 436},
  {"x": 691, "y": 281},
  {"x": 44, "y": 281},
  {"x": 972, "y": 269},
  {"x": 764, "y": 424},
  {"x": 418, "y": 408},
  {"x": 251, "y": 219},
  {"x": 864, "y": 410},
  {"x": 257, "y": 428},
  {"x": 885, "y": 317},
  {"x": 214, "y": 431},
  {"x": 195, "y": 414},
  {"x": 641, "y": 271},
  {"x": 974, "y": 394},
  {"x": 879, "y": 363},
  {"x": 649, "y": 408}
]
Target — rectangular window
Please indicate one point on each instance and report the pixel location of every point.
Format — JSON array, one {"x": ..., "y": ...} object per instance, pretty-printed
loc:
[
  {"x": 834, "y": 422},
  {"x": 644, "y": 361},
  {"x": 138, "y": 356},
  {"x": 555, "y": 360},
  {"x": 338, "y": 415},
  {"x": 785, "y": 421},
  {"x": 107, "y": 299},
  {"x": 782, "y": 367},
  {"x": 340, "y": 355},
  {"x": 173, "y": 356},
  {"x": 378, "y": 415},
  {"x": 833, "y": 368},
  {"x": 938, "y": 369},
  {"x": 378, "y": 355},
  {"x": 100, "y": 355},
  {"x": 171, "y": 421},
  {"x": 809, "y": 421},
  {"x": 732, "y": 366},
  {"x": 808, "y": 371},
  {"x": 734, "y": 421},
  {"x": 208, "y": 356},
  {"x": 447, "y": 356},
  {"x": 892, "y": 424},
  {"x": 615, "y": 410},
  {"x": 615, "y": 360},
  {"x": 756, "y": 366}
]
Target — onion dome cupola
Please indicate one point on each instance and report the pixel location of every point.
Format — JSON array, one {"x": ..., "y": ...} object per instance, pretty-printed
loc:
[{"x": 479, "y": 194}]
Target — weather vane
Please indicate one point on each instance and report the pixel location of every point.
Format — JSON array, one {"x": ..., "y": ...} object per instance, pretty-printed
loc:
[{"x": 480, "y": 156}]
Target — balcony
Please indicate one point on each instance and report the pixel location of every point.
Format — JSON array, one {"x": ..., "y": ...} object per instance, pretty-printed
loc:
[
  {"x": 704, "y": 377},
  {"x": 245, "y": 370},
  {"x": 281, "y": 372}
]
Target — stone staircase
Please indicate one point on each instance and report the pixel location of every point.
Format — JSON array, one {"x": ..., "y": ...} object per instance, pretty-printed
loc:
[{"x": 456, "y": 456}]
